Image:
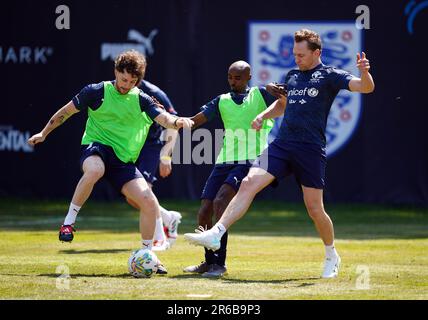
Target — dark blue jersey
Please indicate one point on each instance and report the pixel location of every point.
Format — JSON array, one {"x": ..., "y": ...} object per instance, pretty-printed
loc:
[
  {"x": 211, "y": 109},
  {"x": 310, "y": 95},
  {"x": 155, "y": 131},
  {"x": 92, "y": 96}
]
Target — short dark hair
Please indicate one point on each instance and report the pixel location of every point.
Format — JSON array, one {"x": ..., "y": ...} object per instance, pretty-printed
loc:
[
  {"x": 133, "y": 62},
  {"x": 313, "y": 38}
]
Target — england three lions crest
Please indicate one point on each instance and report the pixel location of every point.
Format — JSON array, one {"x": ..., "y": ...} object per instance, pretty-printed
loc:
[{"x": 270, "y": 51}]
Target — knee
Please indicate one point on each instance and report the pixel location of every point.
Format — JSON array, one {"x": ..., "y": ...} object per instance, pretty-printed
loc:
[
  {"x": 149, "y": 198},
  {"x": 248, "y": 186},
  {"x": 148, "y": 201},
  {"x": 315, "y": 210},
  {"x": 93, "y": 174}
]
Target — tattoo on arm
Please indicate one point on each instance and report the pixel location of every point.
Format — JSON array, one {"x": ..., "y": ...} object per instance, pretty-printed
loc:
[{"x": 59, "y": 119}]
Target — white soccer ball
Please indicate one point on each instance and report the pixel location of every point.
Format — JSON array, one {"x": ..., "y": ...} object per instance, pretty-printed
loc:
[{"x": 143, "y": 263}]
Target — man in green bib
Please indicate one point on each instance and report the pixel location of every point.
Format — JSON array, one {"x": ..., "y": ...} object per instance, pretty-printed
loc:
[
  {"x": 119, "y": 118},
  {"x": 241, "y": 145}
]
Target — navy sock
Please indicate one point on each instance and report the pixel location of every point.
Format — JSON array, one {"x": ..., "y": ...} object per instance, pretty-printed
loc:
[
  {"x": 209, "y": 256},
  {"x": 220, "y": 254}
]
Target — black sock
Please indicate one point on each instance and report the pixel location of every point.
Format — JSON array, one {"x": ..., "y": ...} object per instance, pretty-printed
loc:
[
  {"x": 209, "y": 256},
  {"x": 220, "y": 254}
]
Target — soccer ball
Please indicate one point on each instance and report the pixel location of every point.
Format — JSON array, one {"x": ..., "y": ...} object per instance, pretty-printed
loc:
[{"x": 143, "y": 263}]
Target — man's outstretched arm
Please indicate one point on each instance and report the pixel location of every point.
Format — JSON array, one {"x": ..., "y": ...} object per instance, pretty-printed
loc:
[
  {"x": 365, "y": 84},
  {"x": 275, "y": 110},
  {"x": 56, "y": 120},
  {"x": 169, "y": 121}
]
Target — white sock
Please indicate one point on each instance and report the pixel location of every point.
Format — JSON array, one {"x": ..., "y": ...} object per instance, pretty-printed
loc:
[
  {"x": 159, "y": 233},
  {"x": 219, "y": 228},
  {"x": 330, "y": 251},
  {"x": 166, "y": 216},
  {"x": 147, "y": 244},
  {"x": 72, "y": 214}
]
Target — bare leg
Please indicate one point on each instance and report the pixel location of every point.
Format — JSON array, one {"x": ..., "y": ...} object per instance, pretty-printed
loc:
[
  {"x": 313, "y": 199},
  {"x": 139, "y": 192},
  {"x": 205, "y": 213},
  {"x": 134, "y": 204},
  {"x": 222, "y": 200},
  {"x": 93, "y": 170},
  {"x": 314, "y": 204},
  {"x": 256, "y": 180}
]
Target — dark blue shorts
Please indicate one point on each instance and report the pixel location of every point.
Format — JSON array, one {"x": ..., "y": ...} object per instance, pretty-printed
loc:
[
  {"x": 306, "y": 161},
  {"x": 117, "y": 172},
  {"x": 148, "y": 161},
  {"x": 231, "y": 174}
]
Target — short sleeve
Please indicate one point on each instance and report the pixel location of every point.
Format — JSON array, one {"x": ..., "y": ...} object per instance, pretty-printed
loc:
[
  {"x": 340, "y": 79},
  {"x": 210, "y": 109},
  {"x": 89, "y": 96},
  {"x": 165, "y": 101},
  {"x": 148, "y": 106},
  {"x": 267, "y": 97}
]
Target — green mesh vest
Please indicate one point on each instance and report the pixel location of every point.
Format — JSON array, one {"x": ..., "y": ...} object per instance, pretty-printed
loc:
[
  {"x": 241, "y": 142},
  {"x": 118, "y": 123}
]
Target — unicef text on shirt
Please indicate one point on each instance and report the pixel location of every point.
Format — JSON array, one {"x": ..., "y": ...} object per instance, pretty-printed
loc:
[{"x": 297, "y": 92}]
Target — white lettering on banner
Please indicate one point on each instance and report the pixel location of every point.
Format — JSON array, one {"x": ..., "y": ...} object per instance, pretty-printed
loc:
[
  {"x": 143, "y": 44},
  {"x": 14, "y": 140},
  {"x": 63, "y": 20},
  {"x": 24, "y": 54},
  {"x": 363, "y": 20}
]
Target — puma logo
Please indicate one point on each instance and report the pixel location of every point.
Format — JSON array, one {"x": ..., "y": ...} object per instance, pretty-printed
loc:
[{"x": 236, "y": 180}]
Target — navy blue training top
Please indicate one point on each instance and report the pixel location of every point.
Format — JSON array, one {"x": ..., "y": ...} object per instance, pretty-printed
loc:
[{"x": 310, "y": 95}]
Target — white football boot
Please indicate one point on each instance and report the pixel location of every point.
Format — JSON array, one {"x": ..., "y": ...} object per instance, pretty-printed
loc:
[
  {"x": 205, "y": 238},
  {"x": 171, "y": 230},
  {"x": 160, "y": 245},
  {"x": 331, "y": 267}
]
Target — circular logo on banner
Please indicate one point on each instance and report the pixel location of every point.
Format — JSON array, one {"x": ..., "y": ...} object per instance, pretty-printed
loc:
[{"x": 313, "y": 92}]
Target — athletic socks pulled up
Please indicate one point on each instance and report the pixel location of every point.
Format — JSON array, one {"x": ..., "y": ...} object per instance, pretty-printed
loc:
[{"x": 73, "y": 210}]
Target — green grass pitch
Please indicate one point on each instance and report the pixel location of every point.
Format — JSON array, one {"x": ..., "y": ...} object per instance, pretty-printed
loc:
[{"x": 273, "y": 253}]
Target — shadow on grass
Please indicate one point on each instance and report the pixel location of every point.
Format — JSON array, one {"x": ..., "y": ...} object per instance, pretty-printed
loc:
[
  {"x": 72, "y": 251},
  {"x": 73, "y": 276},
  {"x": 247, "y": 281},
  {"x": 79, "y": 275},
  {"x": 273, "y": 281}
]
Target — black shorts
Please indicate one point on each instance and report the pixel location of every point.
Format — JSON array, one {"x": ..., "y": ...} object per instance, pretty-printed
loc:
[
  {"x": 117, "y": 172},
  {"x": 306, "y": 161},
  {"x": 231, "y": 174},
  {"x": 148, "y": 161}
]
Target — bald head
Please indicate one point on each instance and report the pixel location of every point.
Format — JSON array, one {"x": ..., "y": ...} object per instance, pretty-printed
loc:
[
  {"x": 240, "y": 66},
  {"x": 239, "y": 75}
]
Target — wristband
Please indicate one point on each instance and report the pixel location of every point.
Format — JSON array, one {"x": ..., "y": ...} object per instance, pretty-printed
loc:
[
  {"x": 166, "y": 158},
  {"x": 175, "y": 123}
]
